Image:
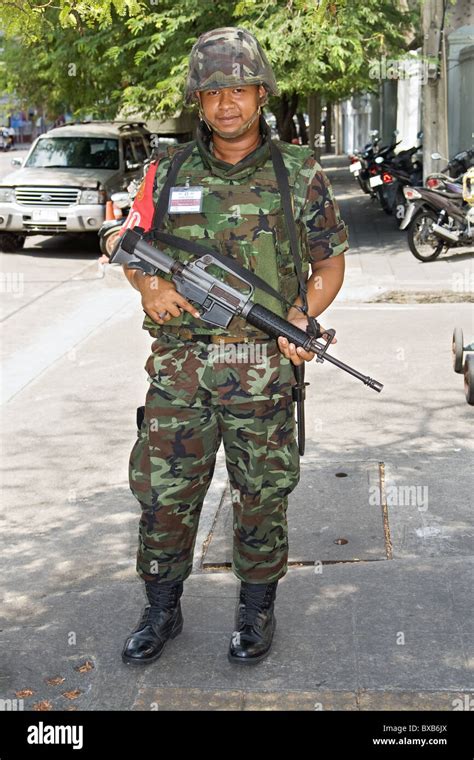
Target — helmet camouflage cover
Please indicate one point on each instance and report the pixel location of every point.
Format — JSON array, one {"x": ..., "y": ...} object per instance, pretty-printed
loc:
[{"x": 226, "y": 57}]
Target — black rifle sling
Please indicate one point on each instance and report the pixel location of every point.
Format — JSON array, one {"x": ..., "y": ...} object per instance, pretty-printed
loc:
[
  {"x": 298, "y": 390},
  {"x": 284, "y": 188},
  {"x": 190, "y": 246},
  {"x": 163, "y": 200}
]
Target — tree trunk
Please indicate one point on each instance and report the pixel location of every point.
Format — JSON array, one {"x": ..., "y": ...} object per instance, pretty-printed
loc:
[
  {"x": 302, "y": 126},
  {"x": 284, "y": 117},
  {"x": 338, "y": 129},
  {"x": 328, "y": 127},
  {"x": 314, "y": 113}
]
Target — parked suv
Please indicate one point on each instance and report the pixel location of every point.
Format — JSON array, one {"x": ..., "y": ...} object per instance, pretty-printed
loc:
[{"x": 67, "y": 177}]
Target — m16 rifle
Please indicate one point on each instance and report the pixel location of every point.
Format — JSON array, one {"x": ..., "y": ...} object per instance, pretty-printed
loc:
[{"x": 219, "y": 302}]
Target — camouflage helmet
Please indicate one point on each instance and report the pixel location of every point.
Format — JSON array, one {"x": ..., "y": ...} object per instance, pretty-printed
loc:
[{"x": 227, "y": 57}]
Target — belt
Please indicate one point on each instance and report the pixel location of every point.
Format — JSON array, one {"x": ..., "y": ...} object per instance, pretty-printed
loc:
[
  {"x": 220, "y": 339},
  {"x": 185, "y": 334}
]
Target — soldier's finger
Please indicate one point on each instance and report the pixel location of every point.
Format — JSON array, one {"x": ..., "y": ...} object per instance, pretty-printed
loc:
[
  {"x": 326, "y": 336},
  {"x": 306, "y": 355},
  {"x": 285, "y": 348},
  {"x": 154, "y": 315},
  {"x": 295, "y": 359},
  {"x": 181, "y": 301},
  {"x": 172, "y": 309}
]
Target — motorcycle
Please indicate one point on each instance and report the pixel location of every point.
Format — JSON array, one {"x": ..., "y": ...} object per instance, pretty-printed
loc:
[
  {"x": 391, "y": 189},
  {"x": 371, "y": 161},
  {"x": 360, "y": 159},
  {"x": 397, "y": 171},
  {"x": 458, "y": 165},
  {"x": 439, "y": 218},
  {"x": 6, "y": 140}
]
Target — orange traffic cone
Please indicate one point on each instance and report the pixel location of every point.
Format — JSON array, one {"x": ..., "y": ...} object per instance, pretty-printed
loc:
[{"x": 109, "y": 211}]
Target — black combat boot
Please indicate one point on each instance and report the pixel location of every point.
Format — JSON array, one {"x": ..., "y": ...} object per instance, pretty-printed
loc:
[
  {"x": 161, "y": 620},
  {"x": 255, "y": 623}
]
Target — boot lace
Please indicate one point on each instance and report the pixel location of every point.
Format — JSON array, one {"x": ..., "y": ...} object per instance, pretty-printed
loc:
[
  {"x": 254, "y": 601},
  {"x": 162, "y": 597}
]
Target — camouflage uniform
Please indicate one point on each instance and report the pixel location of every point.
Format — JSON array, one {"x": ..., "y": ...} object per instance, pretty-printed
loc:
[
  {"x": 199, "y": 396},
  {"x": 201, "y": 393}
]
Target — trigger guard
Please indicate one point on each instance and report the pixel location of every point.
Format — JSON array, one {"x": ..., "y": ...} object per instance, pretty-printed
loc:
[{"x": 143, "y": 266}]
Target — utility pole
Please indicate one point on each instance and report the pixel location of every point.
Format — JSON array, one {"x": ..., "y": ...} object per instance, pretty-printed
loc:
[
  {"x": 435, "y": 126},
  {"x": 338, "y": 148}
]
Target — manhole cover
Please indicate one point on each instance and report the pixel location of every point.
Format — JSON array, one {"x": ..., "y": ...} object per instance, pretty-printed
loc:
[{"x": 330, "y": 518}]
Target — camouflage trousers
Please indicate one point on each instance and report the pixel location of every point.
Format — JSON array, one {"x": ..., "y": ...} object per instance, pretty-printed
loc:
[{"x": 200, "y": 395}]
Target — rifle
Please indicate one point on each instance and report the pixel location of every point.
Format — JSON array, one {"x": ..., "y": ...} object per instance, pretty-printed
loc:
[{"x": 221, "y": 302}]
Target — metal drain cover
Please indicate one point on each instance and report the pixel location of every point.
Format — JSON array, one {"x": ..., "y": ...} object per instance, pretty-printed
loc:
[{"x": 331, "y": 517}]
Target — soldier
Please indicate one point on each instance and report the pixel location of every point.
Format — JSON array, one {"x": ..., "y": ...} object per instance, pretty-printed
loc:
[{"x": 207, "y": 384}]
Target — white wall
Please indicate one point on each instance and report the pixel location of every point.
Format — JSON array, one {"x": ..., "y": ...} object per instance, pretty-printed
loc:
[{"x": 408, "y": 111}]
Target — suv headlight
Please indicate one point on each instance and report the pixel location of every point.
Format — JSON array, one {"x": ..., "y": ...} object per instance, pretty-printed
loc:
[
  {"x": 7, "y": 195},
  {"x": 92, "y": 197}
]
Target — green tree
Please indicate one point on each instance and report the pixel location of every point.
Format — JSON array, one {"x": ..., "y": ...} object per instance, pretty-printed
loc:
[{"x": 132, "y": 53}]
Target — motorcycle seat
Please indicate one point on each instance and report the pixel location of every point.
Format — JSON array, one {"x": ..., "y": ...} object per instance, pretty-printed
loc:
[{"x": 451, "y": 196}]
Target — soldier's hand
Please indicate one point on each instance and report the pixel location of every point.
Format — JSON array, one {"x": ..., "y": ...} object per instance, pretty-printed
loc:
[
  {"x": 160, "y": 299},
  {"x": 298, "y": 355}
]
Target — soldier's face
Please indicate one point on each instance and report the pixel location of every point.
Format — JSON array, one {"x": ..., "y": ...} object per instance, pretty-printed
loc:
[{"x": 231, "y": 107}]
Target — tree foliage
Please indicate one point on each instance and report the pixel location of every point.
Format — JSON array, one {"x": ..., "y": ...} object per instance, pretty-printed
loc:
[{"x": 97, "y": 56}]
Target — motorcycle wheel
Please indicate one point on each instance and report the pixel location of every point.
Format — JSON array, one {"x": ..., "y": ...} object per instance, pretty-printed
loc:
[
  {"x": 469, "y": 379},
  {"x": 362, "y": 184},
  {"x": 423, "y": 243},
  {"x": 457, "y": 349},
  {"x": 108, "y": 241},
  {"x": 383, "y": 202},
  {"x": 10, "y": 243}
]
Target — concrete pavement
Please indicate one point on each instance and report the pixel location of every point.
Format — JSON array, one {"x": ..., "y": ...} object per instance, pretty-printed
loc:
[{"x": 375, "y": 611}]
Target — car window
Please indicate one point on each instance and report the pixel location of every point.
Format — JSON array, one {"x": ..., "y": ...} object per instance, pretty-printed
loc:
[
  {"x": 75, "y": 153},
  {"x": 128, "y": 154},
  {"x": 139, "y": 148}
]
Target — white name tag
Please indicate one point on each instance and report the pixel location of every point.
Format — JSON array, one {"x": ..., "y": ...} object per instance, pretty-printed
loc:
[{"x": 185, "y": 200}]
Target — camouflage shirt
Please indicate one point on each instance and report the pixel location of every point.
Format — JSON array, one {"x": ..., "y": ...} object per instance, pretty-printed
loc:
[{"x": 242, "y": 217}]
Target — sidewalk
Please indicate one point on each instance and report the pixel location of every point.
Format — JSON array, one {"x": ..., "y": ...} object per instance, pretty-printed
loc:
[{"x": 380, "y": 622}]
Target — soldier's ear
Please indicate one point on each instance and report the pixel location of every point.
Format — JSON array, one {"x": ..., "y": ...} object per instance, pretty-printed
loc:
[{"x": 262, "y": 95}]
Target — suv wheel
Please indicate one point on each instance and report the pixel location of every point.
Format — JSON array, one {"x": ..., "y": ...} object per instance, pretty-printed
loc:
[{"x": 9, "y": 242}]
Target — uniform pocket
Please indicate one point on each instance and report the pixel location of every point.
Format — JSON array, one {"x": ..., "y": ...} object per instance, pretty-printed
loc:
[
  {"x": 251, "y": 371},
  {"x": 139, "y": 473},
  {"x": 177, "y": 367}
]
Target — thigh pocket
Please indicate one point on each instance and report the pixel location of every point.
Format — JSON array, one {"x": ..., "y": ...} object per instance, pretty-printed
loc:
[
  {"x": 177, "y": 367},
  {"x": 252, "y": 371},
  {"x": 139, "y": 473}
]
